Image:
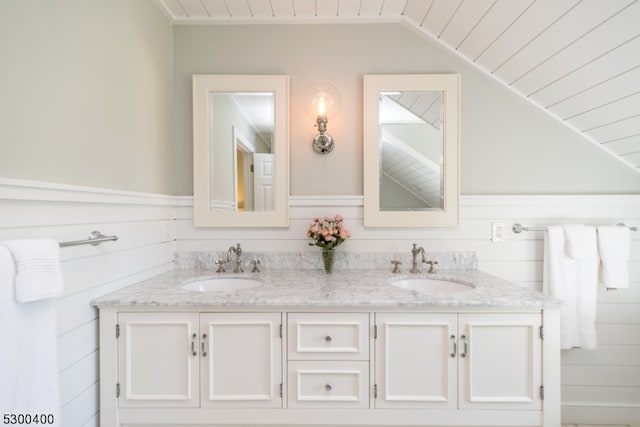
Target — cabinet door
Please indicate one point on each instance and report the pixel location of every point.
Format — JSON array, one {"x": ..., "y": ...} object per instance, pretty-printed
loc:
[
  {"x": 158, "y": 360},
  {"x": 500, "y": 361},
  {"x": 415, "y": 361},
  {"x": 241, "y": 360}
]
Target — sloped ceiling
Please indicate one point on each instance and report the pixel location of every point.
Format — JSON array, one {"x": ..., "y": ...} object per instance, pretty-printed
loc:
[{"x": 577, "y": 60}]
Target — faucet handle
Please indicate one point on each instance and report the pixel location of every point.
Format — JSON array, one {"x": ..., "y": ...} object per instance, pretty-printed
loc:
[
  {"x": 431, "y": 263},
  {"x": 395, "y": 263},
  {"x": 256, "y": 263},
  {"x": 220, "y": 263}
]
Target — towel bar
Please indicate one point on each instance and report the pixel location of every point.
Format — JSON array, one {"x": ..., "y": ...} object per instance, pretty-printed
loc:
[
  {"x": 519, "y": 228},
  {"x": 94, "y": 239}
]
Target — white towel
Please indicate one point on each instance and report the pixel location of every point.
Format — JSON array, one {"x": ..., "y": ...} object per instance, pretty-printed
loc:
[
  {"x": 38, "y": 270},
  {"x": 575, "y": 282},
  {"x": 28, "y": 352},
  {"x": 575, "y": 240},
  {"x": 614, "y": 245}
]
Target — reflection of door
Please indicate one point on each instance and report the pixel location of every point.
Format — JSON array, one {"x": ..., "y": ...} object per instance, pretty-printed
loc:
[
  {"x": 263, "y": 181},
  {"x": 242, "y": 180}
]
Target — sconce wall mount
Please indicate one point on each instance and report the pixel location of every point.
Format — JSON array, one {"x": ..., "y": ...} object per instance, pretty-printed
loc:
[{"x": 322, "y": 142}]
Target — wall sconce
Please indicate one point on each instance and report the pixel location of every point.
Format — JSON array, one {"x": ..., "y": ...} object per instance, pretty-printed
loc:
[{"x": 324, "y": 103}]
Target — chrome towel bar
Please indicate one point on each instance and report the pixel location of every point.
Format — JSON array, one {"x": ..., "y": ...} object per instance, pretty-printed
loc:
[
  {"x": 519, "y": 228},
  {"x": 94, "y": 239}
]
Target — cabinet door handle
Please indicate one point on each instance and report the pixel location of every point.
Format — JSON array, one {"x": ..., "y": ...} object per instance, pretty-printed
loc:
[
  {"x": 193, "y": 344},
  {"x": 204, "y": 345},
  {"x": 328, "y": 338},
  {"x": 465, "y": 348},
  {"x": 455, "y": 346},
  {"x": 328, "y": 387}
]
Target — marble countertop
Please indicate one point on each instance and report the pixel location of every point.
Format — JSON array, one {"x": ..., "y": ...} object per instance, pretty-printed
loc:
[{"x": 313, "y": 288}]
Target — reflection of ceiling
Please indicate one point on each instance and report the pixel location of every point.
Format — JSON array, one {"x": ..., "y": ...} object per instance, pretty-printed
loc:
[
  {"x": 425, "y": 106},
  {"x": 411, "y": 170},
  {"x": 576, "y": 60},
  {"x": 412, "y": 116},
  {"x": 258, "y": 109}
]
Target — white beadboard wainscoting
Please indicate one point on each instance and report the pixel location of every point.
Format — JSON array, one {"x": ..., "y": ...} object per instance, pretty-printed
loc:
[
  {"x": 144, "y": 224},
  {"x": 598, "y": 387}
]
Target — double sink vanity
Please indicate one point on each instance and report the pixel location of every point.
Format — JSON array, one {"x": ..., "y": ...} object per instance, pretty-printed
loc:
[
  {"x": 370, "y": 344},
  {"x": 367, "y": 345},
  {"x": 361, "y": 346}
]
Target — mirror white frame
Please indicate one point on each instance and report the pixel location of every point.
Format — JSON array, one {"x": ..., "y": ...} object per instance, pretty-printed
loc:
[
  {"x": 203, "y": 215},
  {"x": 449, "y": 85}
]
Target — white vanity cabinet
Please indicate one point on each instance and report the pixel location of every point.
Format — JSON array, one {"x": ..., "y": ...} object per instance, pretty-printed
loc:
[
  {"x": 349, "y": 366},
  {"x": 191, "y": 360},
  {"x": 459, "y": 361}
]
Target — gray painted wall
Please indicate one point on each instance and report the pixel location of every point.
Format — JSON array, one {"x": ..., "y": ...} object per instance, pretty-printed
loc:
[
  {"x": 86, "y": 93},
  {"x": 87, "y": 99},
  {"x": 508, "y": 147}
]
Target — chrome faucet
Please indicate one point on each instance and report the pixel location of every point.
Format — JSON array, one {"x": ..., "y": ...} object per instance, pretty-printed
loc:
[
  {"x": 414, "y": 260},
  {"x": 238, "y": 251}
]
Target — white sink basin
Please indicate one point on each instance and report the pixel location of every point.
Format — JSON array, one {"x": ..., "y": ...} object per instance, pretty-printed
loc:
[
  {"x": 220, "y": 284},
  {"x": 426, "y": 285}
]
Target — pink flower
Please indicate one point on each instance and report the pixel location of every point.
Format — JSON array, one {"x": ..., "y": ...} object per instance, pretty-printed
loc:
[{"x": 328, "y": 232}]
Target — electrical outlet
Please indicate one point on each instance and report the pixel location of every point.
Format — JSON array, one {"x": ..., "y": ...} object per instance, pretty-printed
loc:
[
  {"x": 498, "y": 232},
  {"x": 167, "y": 231}
]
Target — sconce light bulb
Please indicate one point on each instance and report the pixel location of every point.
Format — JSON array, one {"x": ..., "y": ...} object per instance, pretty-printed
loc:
[
  {"x": 322, "y": 107},
  {"x": 322, "y": 99}
]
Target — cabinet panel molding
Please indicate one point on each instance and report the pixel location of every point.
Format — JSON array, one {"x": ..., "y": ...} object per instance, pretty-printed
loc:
[
  {"x": 413, "y": 359},
  {"x": 510, "y": 345},
  {"x": 242, "y": 364},
  {"x": 157, "y": 364}
]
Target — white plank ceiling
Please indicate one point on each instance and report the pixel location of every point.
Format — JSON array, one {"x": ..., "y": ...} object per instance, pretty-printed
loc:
[{"x": 577, "y": 60}]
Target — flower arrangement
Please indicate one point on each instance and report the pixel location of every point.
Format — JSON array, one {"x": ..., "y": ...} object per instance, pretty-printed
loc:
[{"x": 328, "y": 233}]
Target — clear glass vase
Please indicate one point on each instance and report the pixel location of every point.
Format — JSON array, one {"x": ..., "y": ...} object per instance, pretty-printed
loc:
[{"x": 327, "y": 260}]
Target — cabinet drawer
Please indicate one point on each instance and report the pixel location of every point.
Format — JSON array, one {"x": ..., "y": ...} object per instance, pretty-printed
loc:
[
  {"x": 328, "y": 336},
  {"x": 328, "y": 384}
]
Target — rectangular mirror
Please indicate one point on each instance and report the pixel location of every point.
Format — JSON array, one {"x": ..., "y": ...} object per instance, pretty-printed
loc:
[
  {"x": 411, "y": 150},
  {"x": 240, "y": 149}
]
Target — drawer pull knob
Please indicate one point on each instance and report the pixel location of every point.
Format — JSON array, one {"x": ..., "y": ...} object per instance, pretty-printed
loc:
[
  {"x": 328, "y": 387},
  {"x": 328, "y": 338}
]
